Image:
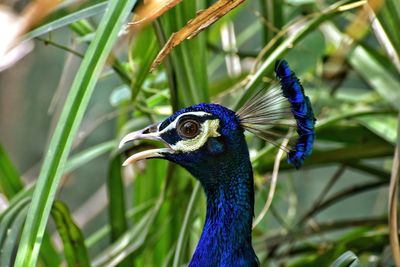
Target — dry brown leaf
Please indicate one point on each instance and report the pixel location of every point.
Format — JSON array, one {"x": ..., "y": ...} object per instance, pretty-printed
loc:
[
  {"x": 11, "y": 50},
  {"x": 152, "y": 9},
  {"x": 203, "y": 20}
]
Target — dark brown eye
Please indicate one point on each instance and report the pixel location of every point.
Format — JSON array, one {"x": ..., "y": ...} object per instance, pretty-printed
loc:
[{"x": 188, "y": 128}]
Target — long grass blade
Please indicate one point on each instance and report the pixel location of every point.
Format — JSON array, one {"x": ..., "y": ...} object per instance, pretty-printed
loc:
[
  {"x": 70, "y": 118},
  {"x": 7, "y": 249},
  {"x": 66, "y": 19},
  {"x": 117, "y": 207}
]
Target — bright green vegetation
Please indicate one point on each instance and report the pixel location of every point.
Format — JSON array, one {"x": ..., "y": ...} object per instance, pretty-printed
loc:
[{"x": 152, "y": 214}]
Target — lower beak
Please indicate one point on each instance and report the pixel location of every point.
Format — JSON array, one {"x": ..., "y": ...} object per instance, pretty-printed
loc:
[{"x": 145, "y": 134}]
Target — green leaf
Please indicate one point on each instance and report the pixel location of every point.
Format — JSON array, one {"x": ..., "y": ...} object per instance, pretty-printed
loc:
[
  {"x": 73, "y": 241},
  {"x": 8, "y": 216},
  {"x": 191, "y": 78},
  {"x": 376, "y": 74},
  {"x": 10, "y": 181},
  {"x": 70, "y": 118},
  {"x": 347, "y": 259},
  {"x": 66, "y": 19},
  {"x": 116, "y": 197},
  {"x": 87, "y": 155},
  {"x": 384, "y": 126},
  {"x": 143, "y": 54},
  {"x": 12, "y": 237}
]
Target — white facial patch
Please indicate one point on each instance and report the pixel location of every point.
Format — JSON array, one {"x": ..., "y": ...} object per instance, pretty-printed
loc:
[{"x": 209, "y": 128}]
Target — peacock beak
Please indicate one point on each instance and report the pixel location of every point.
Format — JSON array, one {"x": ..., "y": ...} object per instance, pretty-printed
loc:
[{"x": 149, "y": 133}]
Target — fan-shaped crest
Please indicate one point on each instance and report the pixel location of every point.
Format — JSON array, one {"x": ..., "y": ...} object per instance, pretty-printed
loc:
[{"x": 283, "y": 105}]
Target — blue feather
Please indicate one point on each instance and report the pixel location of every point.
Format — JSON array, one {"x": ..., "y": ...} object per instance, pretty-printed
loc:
[{"x": 302, "y": 112}]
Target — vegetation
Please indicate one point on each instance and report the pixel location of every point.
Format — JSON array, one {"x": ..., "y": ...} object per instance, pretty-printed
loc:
[{"x": 347, "y": 56}]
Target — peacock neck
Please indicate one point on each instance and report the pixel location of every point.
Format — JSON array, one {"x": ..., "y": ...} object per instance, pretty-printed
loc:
[{"x": 226, "y": 236}]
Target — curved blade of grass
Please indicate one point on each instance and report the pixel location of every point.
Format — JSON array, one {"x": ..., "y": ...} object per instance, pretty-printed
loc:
[
  {"x": 73, "y": 241},
  {"x": 7, "y": 250},
  {"x": 10, "y": 181},
  {"x": 347, "y": 259},
  {"x": 7, "y": 218},
  {"x": 67, "y": 19},
  {"x": 70, "y": 118},
  {"x": 89, "y": 154}
]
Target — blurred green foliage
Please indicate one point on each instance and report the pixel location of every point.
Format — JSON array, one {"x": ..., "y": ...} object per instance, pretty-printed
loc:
[{"x": 151, "y": 214}]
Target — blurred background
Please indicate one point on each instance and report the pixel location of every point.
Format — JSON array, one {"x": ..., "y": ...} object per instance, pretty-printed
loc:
[{"x": 346, "y": 54}]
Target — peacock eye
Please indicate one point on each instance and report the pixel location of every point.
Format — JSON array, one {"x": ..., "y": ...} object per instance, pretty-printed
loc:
[{"x": 188, "y": 128}]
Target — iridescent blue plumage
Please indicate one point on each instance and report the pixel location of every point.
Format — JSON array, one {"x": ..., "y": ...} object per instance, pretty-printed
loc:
[
  {"x": 302, "y": 112},
  {"x": 224, "y": 170},
  {"x": 208, "y": 140}
]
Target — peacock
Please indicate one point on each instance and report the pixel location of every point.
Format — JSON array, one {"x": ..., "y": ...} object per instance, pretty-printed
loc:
[{"x": 208, "y": 140}]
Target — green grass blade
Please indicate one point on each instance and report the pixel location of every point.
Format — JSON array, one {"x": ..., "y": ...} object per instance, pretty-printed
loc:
[
  {"x": 70, "y": 118},
  {"x": 67, "y": 19},
  {"x": 191, "y": 78},
  {"x": 73, "y": 241},
  {"x": 7, "y": 250},
  {"x": 116, "y": 198},
  {"x": 347, "y": 259},
  {"x": 376, "y": 75},
  {"x": 10, "y": 181},
  {"x": 89, "y": 154},
  {"x": 144, "y": 53},
  {"x": 7, "y": 218}
]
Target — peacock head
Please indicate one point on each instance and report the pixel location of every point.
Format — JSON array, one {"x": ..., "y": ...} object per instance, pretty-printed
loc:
[
  {"x": 208, "y": 138},
  {"x": 200, "y": 137}
]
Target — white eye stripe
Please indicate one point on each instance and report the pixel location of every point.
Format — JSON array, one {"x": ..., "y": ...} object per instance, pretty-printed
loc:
[{"x": 173, "y": 124}]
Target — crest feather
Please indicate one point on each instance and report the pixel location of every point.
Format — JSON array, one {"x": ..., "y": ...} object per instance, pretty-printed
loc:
[{"x": 284, "y": 105}]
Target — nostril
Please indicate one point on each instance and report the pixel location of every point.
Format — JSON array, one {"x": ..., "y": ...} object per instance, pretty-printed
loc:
[{"x": 153, "y": 128}]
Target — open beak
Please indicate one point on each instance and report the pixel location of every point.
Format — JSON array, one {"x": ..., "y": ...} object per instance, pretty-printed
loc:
[{"x": 149, "y": 133}]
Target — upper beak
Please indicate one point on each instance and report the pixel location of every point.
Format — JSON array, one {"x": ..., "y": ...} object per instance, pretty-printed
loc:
[{"x": 149, "y": 133}]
